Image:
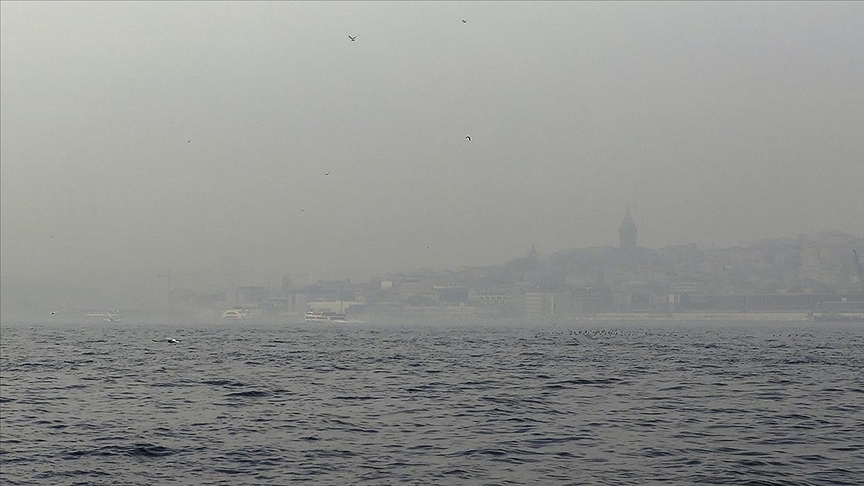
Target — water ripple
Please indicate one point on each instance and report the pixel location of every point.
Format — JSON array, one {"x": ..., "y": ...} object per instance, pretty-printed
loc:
[{"x": 668, "y": 404}]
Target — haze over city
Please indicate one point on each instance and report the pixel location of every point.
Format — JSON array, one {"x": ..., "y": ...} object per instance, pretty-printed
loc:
[{"x": 234, "y": 143}]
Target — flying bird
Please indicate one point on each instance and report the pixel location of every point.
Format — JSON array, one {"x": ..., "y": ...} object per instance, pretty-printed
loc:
[
  {"x": 53, "y": 312},
  {"x": 464, "y": 21},
  {"x": 188, "y": 141},
  {"x": 468, "y": 137},
  {"x": 326, "y": 173},
  {"x": 353, "y": 37}
]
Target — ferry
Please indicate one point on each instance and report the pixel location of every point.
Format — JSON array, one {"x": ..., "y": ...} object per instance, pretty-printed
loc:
[
  {"x": 235, "y": 313},
  {"x": 324, "y": 316}
]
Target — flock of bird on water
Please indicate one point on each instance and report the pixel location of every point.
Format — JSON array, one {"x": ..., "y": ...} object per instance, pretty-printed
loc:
[{"x": 604, "y": 333}]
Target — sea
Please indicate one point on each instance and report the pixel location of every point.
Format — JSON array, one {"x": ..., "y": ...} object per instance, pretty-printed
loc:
[{"x": 591, "y": 402}]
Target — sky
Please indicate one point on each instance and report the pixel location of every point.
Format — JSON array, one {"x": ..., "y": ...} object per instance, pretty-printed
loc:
[{"x": 233, "y": 143}]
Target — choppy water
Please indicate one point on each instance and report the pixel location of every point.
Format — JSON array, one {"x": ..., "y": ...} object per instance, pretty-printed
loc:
[{"x": 363, "y": 404}]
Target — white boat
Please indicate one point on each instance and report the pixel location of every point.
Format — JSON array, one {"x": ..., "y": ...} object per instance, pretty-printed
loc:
[
  {"x": 324, "y": 316},
  {"x": 235, "y": 314},
  {"x": 113, "y": 315}
]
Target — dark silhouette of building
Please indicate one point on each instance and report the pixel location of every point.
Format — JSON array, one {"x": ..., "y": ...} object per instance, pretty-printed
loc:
[{"x": 627, "y": 232}]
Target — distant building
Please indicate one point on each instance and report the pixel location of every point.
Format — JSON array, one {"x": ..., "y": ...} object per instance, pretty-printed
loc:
[
  {"x": 538, "y": 303},
  {"x": 627, "y": 232},
  {"x": 250, "y": 295},
  {"x": 451, "y": 294}
]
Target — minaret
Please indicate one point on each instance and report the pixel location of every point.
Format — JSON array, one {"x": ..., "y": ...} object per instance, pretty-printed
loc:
[{"x": 627, "y": 233}]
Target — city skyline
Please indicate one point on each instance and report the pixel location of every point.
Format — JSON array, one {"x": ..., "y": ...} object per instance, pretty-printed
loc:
[{"x": 826, "y": 251}]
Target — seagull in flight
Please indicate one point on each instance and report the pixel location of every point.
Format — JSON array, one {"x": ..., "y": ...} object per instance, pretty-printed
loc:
[
  {"x": 468, "y": 137},
  {"x": 464, "y": 21},
  {"x": 353, "y": 37},
  {"x": 53, "y": 312}
]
